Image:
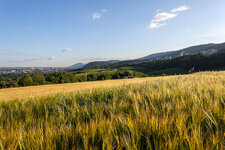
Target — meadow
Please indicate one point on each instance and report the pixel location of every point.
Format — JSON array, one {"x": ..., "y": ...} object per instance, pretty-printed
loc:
[{"x": 177, "y": 112}]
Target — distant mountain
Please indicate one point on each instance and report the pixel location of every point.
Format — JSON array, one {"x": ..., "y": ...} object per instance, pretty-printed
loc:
[
  {"x": 95, "y": 64},
  {"x": 205, "y": 48},
  {"x": 77, "y": 66}
]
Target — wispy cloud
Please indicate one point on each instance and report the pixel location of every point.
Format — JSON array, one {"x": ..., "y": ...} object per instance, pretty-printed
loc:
[
  {"x": 12, "y": 54},
  {"x": 91, "y": 59},
  {"x": 51, "y": 58},
  {"x": 31, "y": 59},
  {"x": 155, "y": 25},
  {"x": 34, "y": 59},
  {"x": 157, "y": 22},
  {"x": 179, "y": 9},
  {"x": 163, "y": 16},
  {"x": 104, "y": 10},
  {"x": 67, "y": 50},
  {"x": 26, "y": 61},
  {"x": 98, "y": 15}
]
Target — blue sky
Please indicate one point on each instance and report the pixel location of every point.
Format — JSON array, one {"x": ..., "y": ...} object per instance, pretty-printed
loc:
[{"x": 64, "y": 32}]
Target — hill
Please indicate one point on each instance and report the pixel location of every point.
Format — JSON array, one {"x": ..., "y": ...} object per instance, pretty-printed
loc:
[
  {"x": 97, "y": 64},
  {"x": 77, "y": 66},
  {"x": 177, "y": 65},
  {"x": 204, "y": 48}
]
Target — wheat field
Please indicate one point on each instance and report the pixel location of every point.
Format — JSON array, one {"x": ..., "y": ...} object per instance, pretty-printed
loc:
[
  {"x": 53, "y": 89},
  {"x": 177, "y": 112}
]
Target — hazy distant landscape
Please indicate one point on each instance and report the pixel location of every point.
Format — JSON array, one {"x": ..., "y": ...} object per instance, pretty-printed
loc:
[
  {"x": 112, "y": 75},
  {"x": 209, "y": 57}
]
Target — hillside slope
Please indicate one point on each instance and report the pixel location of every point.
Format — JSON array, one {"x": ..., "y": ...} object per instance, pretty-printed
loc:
[
  {"x": 77, "y": 66},
  {"x": 205, "y": 48}
]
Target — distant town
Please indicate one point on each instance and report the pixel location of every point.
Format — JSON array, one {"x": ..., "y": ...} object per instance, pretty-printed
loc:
[{"x": 24, "y": 70}]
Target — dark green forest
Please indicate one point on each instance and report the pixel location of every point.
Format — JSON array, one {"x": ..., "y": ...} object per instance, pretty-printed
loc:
[{"x": 179, "y": 65}]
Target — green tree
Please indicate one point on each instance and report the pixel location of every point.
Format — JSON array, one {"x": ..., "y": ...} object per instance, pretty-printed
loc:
[
  {"x": 38, "y": 78},
  {"x": 62, "y": 77},
  {"x": 26, "y": 80},
  {"x": 12, "y": 84},
  {"x": 107, "y": 76},
  {"x": 3, "y": 84},
  {"x": 92, "y": 77},
  {"x": 116, "y": 75}
]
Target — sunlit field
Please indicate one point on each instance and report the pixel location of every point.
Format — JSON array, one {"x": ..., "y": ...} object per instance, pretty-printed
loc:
[
  {"x": 177, "y": 112},
  {"x": 49, "y": 90}
]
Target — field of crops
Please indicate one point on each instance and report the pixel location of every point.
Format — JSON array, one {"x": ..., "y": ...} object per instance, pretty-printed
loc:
[
  {"x": 53, "y": 89},
  {"x": 181, "y": 112}
]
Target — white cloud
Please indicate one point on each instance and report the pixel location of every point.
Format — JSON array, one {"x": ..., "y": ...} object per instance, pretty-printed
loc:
[
  {"x": 67, "y": 50},
  {"x": 96, "y": 16},
  {"x": 91, "y": 59},
  {"x": 155, "y": 25},
  {"x": 159, "y": 17},
  {"x": 163, "y": 16},
  {"x": 31, "y": 59},
  {"x": 25, "y": 60},
  {"x": 104, "y": 10},
  {"x": 51, "y": 58},
  {"x": 179, "y": 9}
]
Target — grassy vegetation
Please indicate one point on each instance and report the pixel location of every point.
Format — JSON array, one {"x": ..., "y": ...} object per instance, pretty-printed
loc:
[
  {"x": 185, "y": 112},
  {"x": 53, "y": 89},
  {"x": 158, "y": 72},
  {"x": 89, "y": 71},
  {"x": 170, "y": 71}
]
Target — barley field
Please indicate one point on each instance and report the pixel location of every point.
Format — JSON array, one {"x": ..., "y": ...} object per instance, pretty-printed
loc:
[
  {"x": 177, "y": 112},
  {"x": 53, "y": 89}
]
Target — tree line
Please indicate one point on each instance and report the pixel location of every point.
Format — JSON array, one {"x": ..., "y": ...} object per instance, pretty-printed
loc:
[{"x": 66, "y": 77}]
